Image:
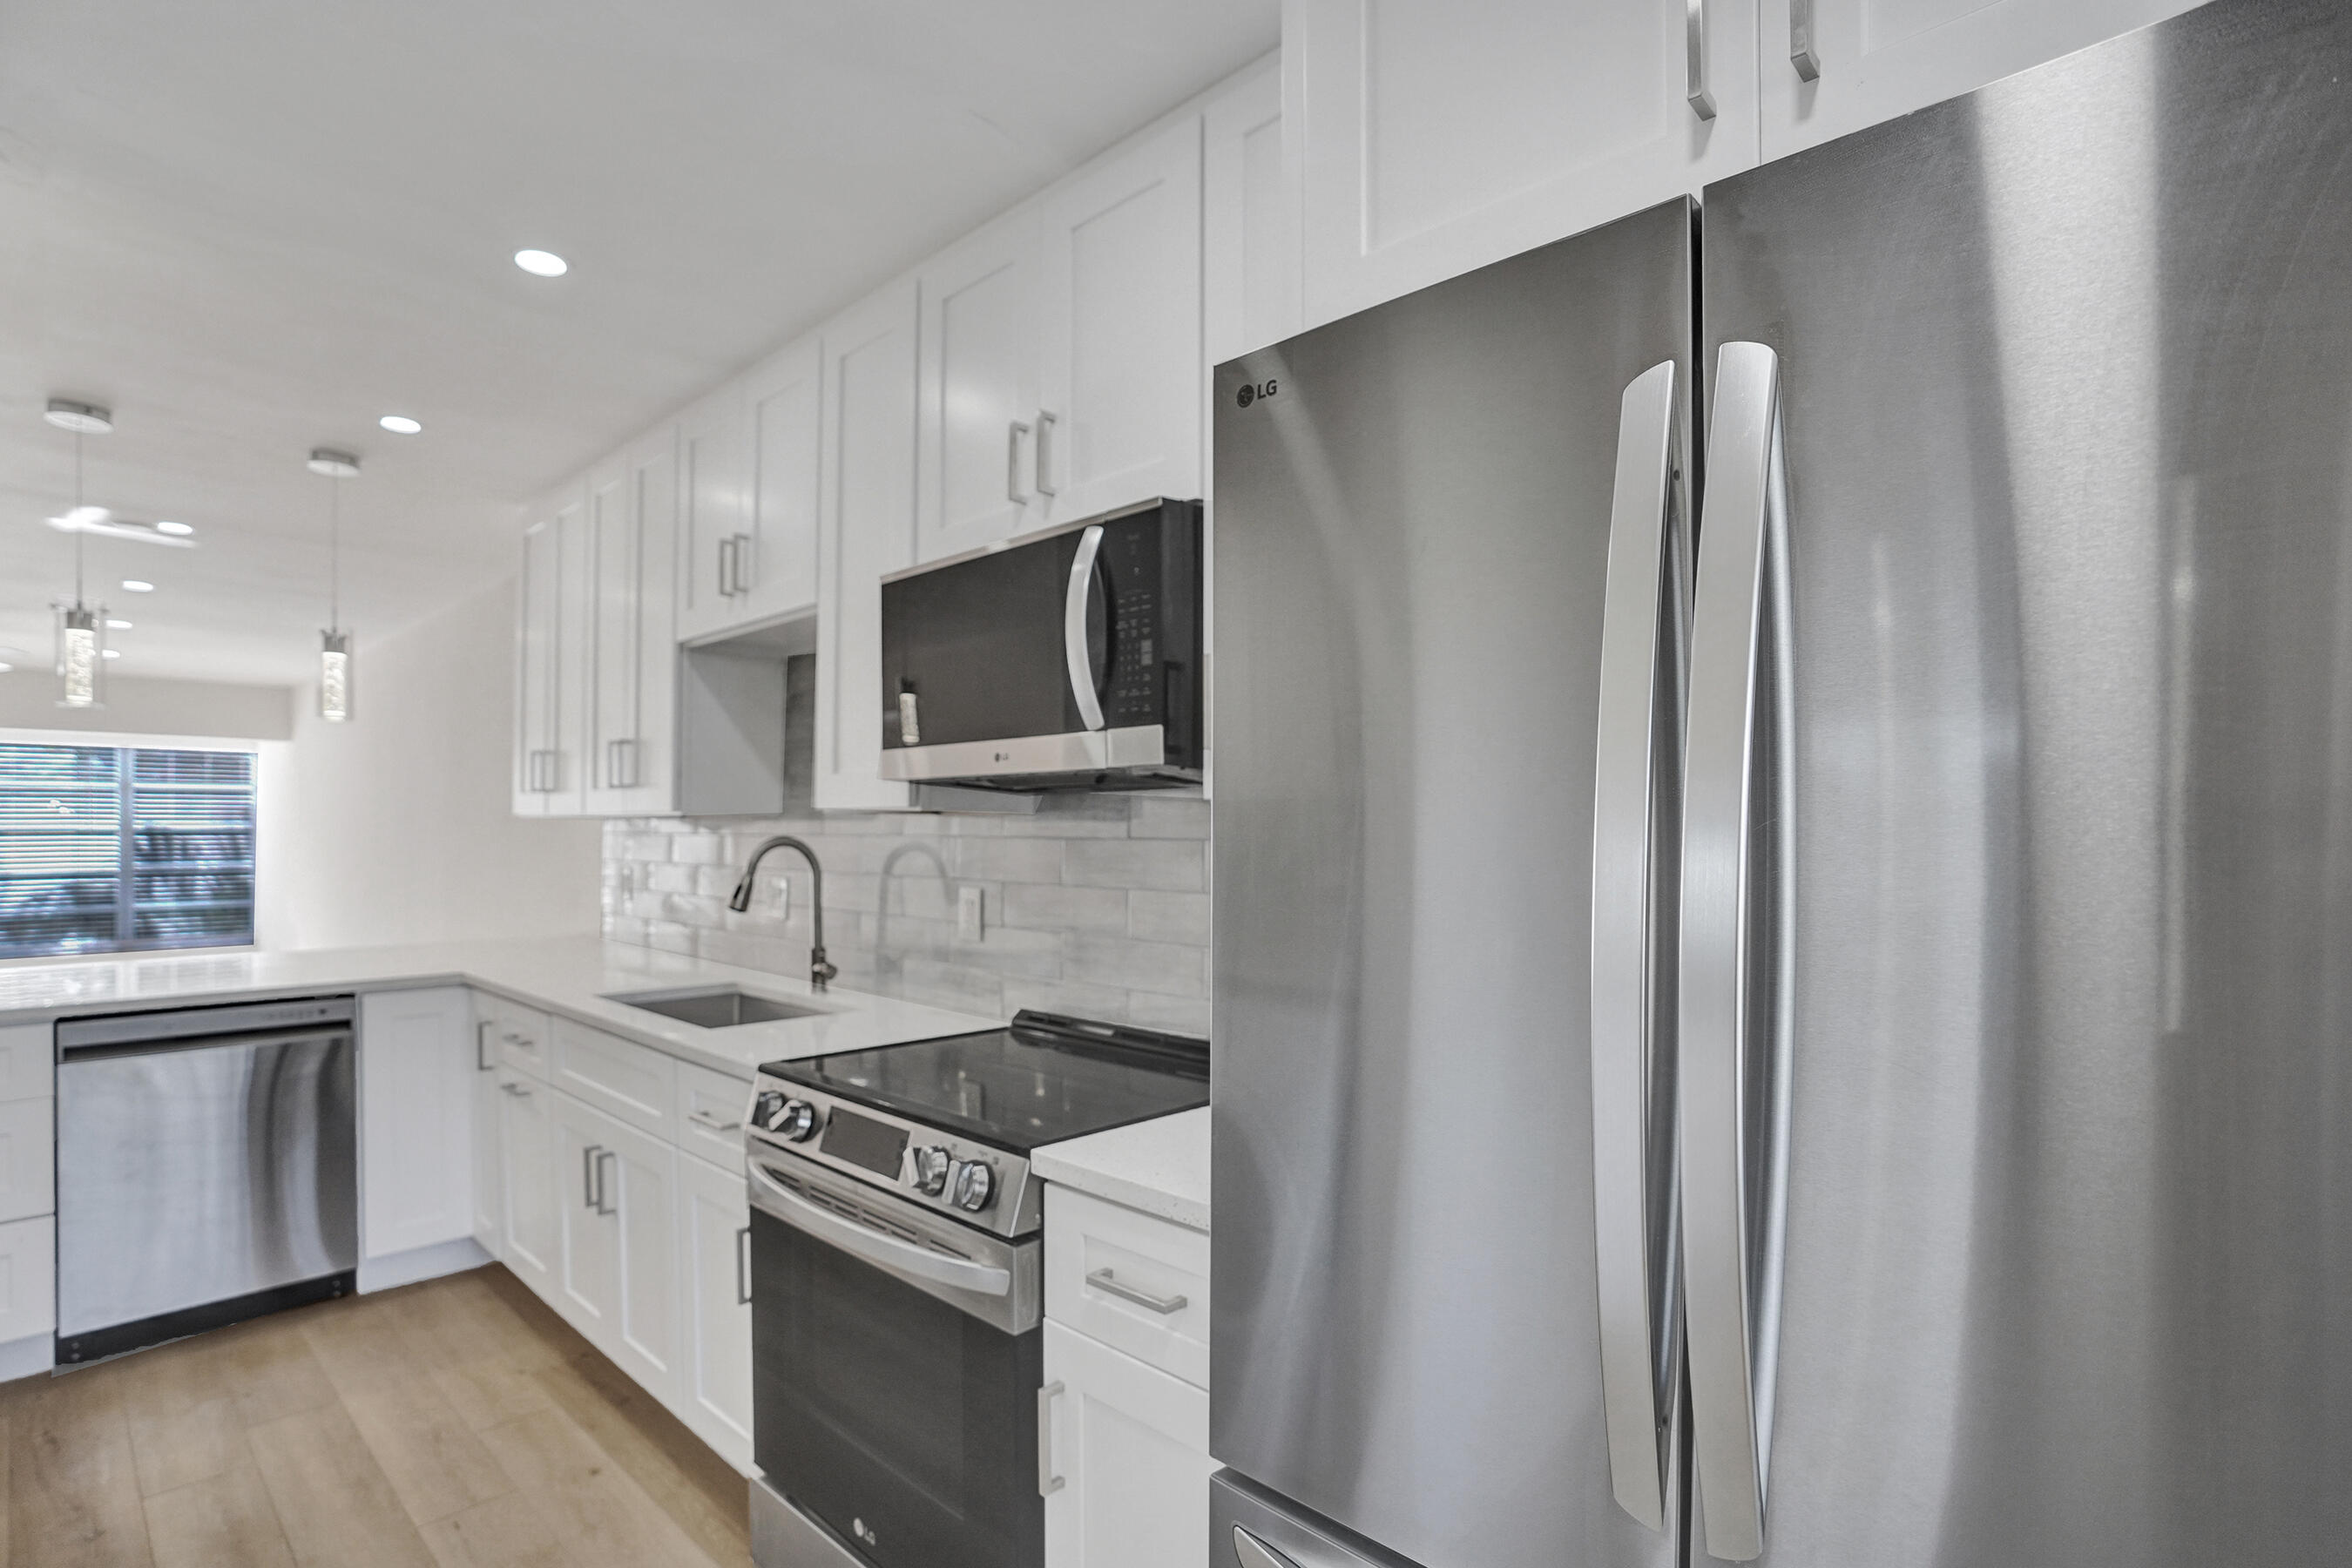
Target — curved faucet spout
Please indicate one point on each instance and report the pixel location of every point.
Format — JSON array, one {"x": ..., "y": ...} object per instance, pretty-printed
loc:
[{"x": 820, "y": 970}]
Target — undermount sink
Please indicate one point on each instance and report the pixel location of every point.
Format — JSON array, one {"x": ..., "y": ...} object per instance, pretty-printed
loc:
[{"x": 717, "y": 1006}]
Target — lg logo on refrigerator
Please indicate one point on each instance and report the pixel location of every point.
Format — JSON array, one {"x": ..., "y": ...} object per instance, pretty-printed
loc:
[{"x": 1252, "y": 390}]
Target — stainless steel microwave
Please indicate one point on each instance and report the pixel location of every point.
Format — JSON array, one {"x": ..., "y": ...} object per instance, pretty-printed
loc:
[{"x": 1065, "y": 659}]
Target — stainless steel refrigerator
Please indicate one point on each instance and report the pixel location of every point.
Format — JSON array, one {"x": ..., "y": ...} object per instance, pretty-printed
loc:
[{"x": 1842, "y": 1057}]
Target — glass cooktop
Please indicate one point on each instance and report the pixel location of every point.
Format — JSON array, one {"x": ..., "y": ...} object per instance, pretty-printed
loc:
[{"x": 1043, "y": 1079}]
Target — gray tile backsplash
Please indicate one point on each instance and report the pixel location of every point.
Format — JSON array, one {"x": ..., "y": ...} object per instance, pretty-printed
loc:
[{"x": 1098, "y": 905}]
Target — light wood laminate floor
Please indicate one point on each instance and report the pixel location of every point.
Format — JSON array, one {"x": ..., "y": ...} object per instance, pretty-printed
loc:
[{"x": 455, "y": 1423}]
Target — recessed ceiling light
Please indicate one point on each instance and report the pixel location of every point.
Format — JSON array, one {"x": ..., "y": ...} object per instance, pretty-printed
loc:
[
  {"x": 133, "y": 585},
  {"x": 177, "y": 530},
  {"x": 110, "y": 653},
  {"x": 113, "y": 624},
  {"x": 82, "y": 418},
  {"x": 4, "y": 669},
  {"x": 401, "y": 424},
  {"x": 541, "y": 263},
  {"x": 335, "y": 464}
]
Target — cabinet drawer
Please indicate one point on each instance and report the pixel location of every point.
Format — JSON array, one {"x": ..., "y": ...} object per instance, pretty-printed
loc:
[
  {"x": 633, "y": 1082},
  {"x": 28, "y": 1277},
  {"x": 711, "y": 1107},
  {"x": 523, "y": 1039},
  {"x": 28, "y": 1166},
  {"x": 1135, "y": 1282},
  {"x": 28, "y": 1063}
]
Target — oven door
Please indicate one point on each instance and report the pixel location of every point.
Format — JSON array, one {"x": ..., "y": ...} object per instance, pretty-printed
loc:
[{"x": 896, "y": 1361}]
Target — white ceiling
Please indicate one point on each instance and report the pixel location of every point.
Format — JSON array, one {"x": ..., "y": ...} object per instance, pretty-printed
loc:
[{"x": 252, "y": 226}]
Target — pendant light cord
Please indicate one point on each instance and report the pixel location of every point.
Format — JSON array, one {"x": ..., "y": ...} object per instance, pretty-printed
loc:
[
  {"x": 81, "y": 534},
  {"x": 335, "y": 554}
]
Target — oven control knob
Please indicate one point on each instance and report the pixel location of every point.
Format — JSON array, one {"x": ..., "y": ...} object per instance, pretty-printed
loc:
[
  {"x": 796, "y": 1120},
  {"x": 930, "y": 1169},
  {"x": 766, "y": 1109},
  {"x": 975, "y": 1183}
]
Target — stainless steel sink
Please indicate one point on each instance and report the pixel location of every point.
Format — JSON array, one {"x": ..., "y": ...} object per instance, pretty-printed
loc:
[{"x": 716, "y": 1006}]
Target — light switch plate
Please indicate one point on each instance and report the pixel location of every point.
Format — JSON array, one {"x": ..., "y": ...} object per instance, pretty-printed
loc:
[{"x": 968, "y": 914}]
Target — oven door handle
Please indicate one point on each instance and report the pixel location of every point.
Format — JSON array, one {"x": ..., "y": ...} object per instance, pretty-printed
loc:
[{"x": 882, "y": 1250}]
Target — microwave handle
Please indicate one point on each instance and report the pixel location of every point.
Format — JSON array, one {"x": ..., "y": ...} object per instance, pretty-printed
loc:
[{"x": 1073, "y": 626}]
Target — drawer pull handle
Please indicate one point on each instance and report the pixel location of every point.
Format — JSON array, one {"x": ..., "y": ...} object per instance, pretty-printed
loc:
[
  {"x": 1103, "y": 1280},
  {"x": 709, "y": 1119}
]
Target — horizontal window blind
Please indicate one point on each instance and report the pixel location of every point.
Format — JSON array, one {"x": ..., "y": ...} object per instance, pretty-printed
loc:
[{"x": 106, "y": 848}]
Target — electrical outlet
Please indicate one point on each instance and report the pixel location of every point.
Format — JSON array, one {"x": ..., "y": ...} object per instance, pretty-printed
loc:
[{"x": 967, "y": 924}]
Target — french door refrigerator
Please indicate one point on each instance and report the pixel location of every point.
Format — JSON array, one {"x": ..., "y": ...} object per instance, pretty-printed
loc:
[{"x": 1857, "y": 1071}]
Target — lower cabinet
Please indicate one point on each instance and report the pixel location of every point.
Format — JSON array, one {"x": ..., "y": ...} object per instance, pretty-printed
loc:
[
  {"x": 526, "y": 1134},
  {"x": 417, "y": 1064},
  {"x": 637, "y": 1242},
  {"x": 714, "y": 1225},
  {"x": 1129, "y": 1446}
]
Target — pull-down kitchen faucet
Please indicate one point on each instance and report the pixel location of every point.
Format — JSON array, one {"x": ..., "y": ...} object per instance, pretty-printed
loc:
[{"x": 819, "y": 970}]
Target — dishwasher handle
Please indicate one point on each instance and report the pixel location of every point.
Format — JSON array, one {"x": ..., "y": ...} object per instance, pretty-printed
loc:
[{"x": 69, "y": 1054}]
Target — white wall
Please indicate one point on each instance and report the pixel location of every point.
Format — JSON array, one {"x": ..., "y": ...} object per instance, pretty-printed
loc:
[
  {"x": 145, "y": 706},
  {"x": 395, "y": 827}
]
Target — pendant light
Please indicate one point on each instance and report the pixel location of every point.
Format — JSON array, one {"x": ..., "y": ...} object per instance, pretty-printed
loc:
[
  {"x": 334, "y": 643},
  {"x": 82, "y": 629}
]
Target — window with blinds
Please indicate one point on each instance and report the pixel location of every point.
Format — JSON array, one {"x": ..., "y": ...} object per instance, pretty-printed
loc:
[{"x": 106, "y": 848}]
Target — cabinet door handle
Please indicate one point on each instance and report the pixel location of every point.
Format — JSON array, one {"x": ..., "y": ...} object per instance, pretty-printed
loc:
[
  {"x": 1694, "y": 73},
  {"x": 588, "y": 1177},
  {"x": 1805, "y": 49},
  {"x": 482, "y": 1045},
  {"x": 621, "y": 765},
  {"x": 603, "y": 1191},
  {"x": 747, "y": 562},
  {"x": 1046, "y": 420},
  {"x": 710, "y": 1118},
  {"x": 743, "y": 1267},
  {"x": 516, "y": 1090},
  {"x": 1012, "y": 490},
  {"x": 1048, "y": 1483},
  {"x": 1110, "y": 1284},
  {"x": 727, "y": 567}
]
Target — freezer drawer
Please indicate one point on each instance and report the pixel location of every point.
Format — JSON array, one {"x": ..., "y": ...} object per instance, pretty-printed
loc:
[{"x": 200, "y": 1180}]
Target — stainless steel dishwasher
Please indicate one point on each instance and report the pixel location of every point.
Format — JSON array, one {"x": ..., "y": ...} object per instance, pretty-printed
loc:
[{"x": 207, "y": 1170}]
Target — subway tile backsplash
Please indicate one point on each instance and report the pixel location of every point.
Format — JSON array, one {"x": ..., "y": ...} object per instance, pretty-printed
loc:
[{"x": 1098, "y": 905}]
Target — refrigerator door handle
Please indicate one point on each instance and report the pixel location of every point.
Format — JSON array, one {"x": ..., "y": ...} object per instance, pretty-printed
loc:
[
  {"x": 1738, "y": 912},
  {"x": 1642, "y": 639},
  {"x": 1073, "y": 628}
]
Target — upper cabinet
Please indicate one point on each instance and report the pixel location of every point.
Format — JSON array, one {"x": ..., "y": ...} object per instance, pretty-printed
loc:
[
  {"x": 1249, "y": 219},
  {"x": 772, "y": 570},
  {"x": 976, "y": 450},
  {"x": 1061, "y": 366},
  {"x": 1436, "y": 138},
  {"x": 549, "y": 593},
  {"x": 628, "y": 709},
  {"x": 1834, "y": 65},
  {"x": 714, "y": 506},
  {"x": 865, "y": 521},
  {"x": 1118, "y": 417}
]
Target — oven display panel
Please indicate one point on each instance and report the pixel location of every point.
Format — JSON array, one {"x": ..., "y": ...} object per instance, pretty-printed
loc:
[{"x": 876, "y": 1146}]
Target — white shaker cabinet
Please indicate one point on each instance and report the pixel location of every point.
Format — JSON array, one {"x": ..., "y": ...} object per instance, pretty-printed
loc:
[
  {"x": 1437, "y": 136},
  {"x": 714, "y": 1225},
  {"x": 867, "y": 521},
  {"x": 549, "y": 594},
  {"x": 416, "y": 1071},
  {"x": 1249, "y": 219},
  {"x": 1118, "y": 418},
  {"x": 1126, "y": 1450},
  {"x": 629, "y": 757},
  {"x": 976, "y": 414},
  {"x": 714, "y": 510},
  {"x": 773, "y": 569},
  {"x": 488, "y": 1153},
  {"x": 617, "y": 1258},
  {"x": 1834, "y": 65},
  {"x": 527, "y": 1154}
]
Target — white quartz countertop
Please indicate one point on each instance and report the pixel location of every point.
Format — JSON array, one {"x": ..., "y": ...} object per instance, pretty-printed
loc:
[
  {"x": 1160, "y": 1166},
  {"x": 571, "y": 976}
]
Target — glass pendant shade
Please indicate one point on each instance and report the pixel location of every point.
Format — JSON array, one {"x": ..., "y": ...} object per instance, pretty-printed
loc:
[
  {"x": 335, "y": 677},
  {"x": 82, "y": 656}
]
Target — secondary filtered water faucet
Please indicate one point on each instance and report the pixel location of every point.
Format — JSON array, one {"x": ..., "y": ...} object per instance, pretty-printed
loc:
[{"x": 819, "y": 970}]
